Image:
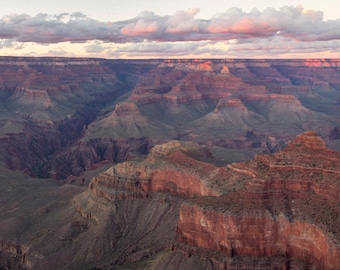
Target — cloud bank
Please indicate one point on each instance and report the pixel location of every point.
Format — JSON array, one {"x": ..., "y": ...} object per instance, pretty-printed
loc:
[{"x": 284, "y": 30}]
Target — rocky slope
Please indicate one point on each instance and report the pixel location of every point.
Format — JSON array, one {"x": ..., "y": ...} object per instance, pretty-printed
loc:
[
  {"x": 58, "y": 111},
  {"x": 278, "y": 210},
  {"x": 176, "y": 210},
  {"x": 168, "y": 168},
  {"x": 167, "y": 206},
  {"x": 47, "y": 103},
  {"x": 288, "y": 208},
  {"x": 218, "y": 102}
]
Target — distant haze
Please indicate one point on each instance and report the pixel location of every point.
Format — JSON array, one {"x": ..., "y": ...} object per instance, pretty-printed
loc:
[{"x": 170, "y": 29}]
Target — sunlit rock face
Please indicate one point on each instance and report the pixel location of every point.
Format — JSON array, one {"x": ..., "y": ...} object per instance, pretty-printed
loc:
[
  {"x": 289, "y": 207},
  {"x": 168, "y": 168},
  {"x": 281, "y": 208},
  {"x": 175, "y": 198},
  {"x": 175, "y": 209}
]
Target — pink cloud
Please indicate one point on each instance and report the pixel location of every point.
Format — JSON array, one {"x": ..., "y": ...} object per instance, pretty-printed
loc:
[
  {"x": 292, "y": 22},
  {"x": 141, "y": 27},
  {"x": 300, "y": 29},
  {"x": 182, "y": 22}
]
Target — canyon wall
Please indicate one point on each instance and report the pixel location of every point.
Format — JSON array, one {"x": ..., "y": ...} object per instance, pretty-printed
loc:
[
  {"x": 282, "y": 208},
  {"x": 284, "y": 211},
  {"x": 168, "y": 168},
  {"x": 175, "y": 209},
  {"x": 167, "y": 123},
  {"x": 53, "y": 107}
]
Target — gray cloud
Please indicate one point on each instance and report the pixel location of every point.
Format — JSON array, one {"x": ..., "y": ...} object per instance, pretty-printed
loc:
[
  {"x": 253, "y": 47},
  {"x": 58, "y": 52},
  {"x": 233, "y": 33},
  {"x": 8, "y": 43},
  {"x": 95, "y": 47},
  {"x": 290, "y": 22}
]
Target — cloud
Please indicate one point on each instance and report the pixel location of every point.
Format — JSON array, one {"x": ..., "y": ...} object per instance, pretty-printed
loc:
[
  {"x": 95, "y": 47},
  {"x": 58, "y": 52},
  {"x": 271, "y": 31},
  {"x": 8, "y": 43},
  {"x": 44, "y": 28},
  {"x": 256, "y": 47},
  {"x": 150, "y": 49},
  {"x": 292, "y": 22}
]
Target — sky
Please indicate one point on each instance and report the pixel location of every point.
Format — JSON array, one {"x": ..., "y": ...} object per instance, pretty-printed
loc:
[{"x": 170, "y": 29}]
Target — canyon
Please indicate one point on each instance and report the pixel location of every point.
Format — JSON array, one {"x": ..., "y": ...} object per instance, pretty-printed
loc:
[
  {"x": 61, "y": 115},
  {"x": 177, "y": 210},
  {"x": 169, "y": 164},
  {"x": 287, "y": 207}
]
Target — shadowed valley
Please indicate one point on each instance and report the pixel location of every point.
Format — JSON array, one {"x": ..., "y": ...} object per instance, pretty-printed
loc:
[{"x": 169, "y": 164}]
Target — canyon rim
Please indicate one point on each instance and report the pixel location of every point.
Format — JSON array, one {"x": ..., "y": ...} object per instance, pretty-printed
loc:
[{"x": 169, "y": 164}]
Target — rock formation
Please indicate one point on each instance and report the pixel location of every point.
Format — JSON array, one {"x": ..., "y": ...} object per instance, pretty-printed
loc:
[
  {"x": 282, "y": 208},
  {"x": 288, "y": 205},
  {"x": 177, "y": 210},
  {"x": 168, "y": 168},
  {"x": 175, "y": 196},
  {"x": 15, "y": 255},
  {"x": 49, "y": 104}
]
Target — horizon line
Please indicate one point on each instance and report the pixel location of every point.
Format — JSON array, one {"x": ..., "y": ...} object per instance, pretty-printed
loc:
[{"x": 162, "y": 59}]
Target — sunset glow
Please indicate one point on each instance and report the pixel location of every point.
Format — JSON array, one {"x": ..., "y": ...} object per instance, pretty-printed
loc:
[{"x": 244, "y": 31}]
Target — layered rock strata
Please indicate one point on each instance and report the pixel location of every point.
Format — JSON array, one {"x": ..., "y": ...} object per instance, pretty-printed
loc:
[
  {"x": 168, "y": 168},
  {"x": 213, "y": 102},
  {"x": 176, "y": 210},
  {"x": 282, "y": 208},
  {"x": 289, "y": 207}
]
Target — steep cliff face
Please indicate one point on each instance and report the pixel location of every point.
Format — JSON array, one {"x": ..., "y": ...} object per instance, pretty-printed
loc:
[
  {"x": 289, "y": 208},
  {"x": 168, "y": 168},
  {"x": 258, "y": 236},
  {"x": 49, "y": 104},
  {"x": 59, "y": 117},
  {"x": 190, "y": 97},
  {"x": 279, "y": 210},
  {"x": 176, "y": 210}
]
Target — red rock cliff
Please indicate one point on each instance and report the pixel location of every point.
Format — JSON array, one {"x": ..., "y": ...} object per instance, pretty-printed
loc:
[
  {"x": 289, "y": 207},
  {"x": 168, "y": 168}
]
